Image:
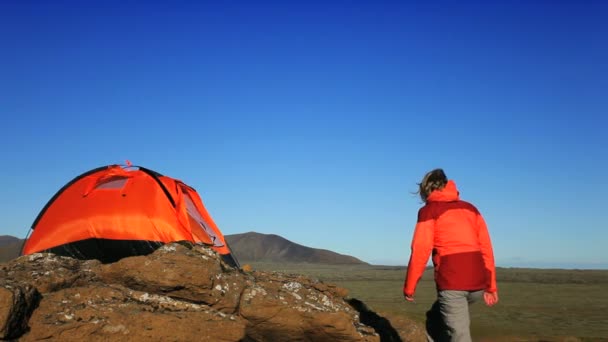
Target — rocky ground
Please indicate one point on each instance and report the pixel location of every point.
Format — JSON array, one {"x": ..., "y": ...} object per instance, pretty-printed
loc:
[{"x": 179, "y": 293}]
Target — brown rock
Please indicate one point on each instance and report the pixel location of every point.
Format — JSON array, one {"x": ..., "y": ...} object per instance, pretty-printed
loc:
[
  {"x": 115, "y": 313},
  {"x": 178, "y": 293},
  {"x": 16, "y": 306},
  {"x": 408, "y": 329},
  {"x": 49, "y": 272}
]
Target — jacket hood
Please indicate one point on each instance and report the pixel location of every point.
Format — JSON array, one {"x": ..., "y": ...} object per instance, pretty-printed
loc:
[{"x": 447, "y": 194}]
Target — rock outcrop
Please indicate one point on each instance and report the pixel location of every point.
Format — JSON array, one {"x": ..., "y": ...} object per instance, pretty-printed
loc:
[{"x": 178, "y": 293}]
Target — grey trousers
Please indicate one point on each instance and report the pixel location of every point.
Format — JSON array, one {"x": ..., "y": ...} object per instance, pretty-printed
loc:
[{"x": 448, "y": 319}]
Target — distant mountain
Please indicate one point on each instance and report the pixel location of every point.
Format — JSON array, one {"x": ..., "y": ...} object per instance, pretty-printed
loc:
[
  {"x": 10, "y": 247},
  {"x": 256, "y": 247},
  {"x": 7, "y": 239}
]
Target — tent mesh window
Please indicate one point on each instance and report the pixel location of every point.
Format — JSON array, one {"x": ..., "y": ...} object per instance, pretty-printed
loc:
[
  {"x": 191, "y": 208},
  {"x": 114, "y": 183}
]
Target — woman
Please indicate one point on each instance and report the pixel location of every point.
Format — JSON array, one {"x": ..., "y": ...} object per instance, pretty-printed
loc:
[{"x": 456, "y": 234}]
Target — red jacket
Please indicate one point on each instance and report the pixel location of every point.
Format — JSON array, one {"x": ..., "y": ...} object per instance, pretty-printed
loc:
[{"x": 457, "y": 235}]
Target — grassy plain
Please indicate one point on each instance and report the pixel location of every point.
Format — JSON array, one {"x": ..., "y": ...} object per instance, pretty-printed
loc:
[{"x": 535, "y": 304}]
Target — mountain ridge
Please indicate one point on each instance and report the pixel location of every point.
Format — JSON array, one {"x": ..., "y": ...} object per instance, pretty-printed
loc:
[
  {"x": 10, "y": 247},
  {"x": 8, "y": 239},
  {"x": 259, "y": 247}
]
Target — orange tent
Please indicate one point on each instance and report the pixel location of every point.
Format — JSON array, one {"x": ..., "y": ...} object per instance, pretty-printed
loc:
[{"x": 113, "y": 212}]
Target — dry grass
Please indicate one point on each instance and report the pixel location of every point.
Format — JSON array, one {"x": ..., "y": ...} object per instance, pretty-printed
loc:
[{"x": 535, "y": 305}]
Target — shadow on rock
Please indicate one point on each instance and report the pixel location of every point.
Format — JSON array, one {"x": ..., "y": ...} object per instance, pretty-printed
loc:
[
  {"x": 380, "y": 324},
  {"x": 17, "y": 303}
]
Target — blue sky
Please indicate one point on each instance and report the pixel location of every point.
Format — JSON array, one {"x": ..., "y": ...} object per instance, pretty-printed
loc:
[{"x": 314, "y": 121}]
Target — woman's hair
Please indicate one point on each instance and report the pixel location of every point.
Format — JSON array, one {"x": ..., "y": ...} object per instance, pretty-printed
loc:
[{"x": 433, "y": 180}]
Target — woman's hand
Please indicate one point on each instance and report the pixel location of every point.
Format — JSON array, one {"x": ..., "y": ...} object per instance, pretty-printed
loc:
[
  {"x": 409, "y": 298},
  {"x": 491, "y": 298}
]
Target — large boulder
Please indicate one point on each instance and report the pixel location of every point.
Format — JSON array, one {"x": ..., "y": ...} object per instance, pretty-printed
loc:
[{"x": 178, "y": 293}]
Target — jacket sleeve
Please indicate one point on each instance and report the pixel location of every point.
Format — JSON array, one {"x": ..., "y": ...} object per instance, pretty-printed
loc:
[
  {"x": 422, "y": 245},
  {"x": 488, "y": 255}
]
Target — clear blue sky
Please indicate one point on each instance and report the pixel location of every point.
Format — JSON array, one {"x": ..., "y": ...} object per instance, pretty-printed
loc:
[{"x": 314, "y": 121}]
